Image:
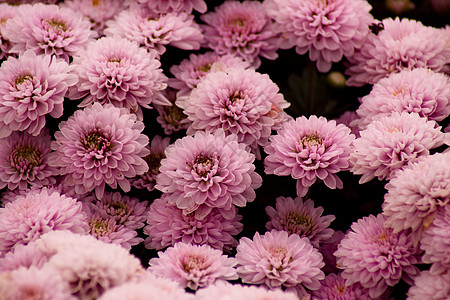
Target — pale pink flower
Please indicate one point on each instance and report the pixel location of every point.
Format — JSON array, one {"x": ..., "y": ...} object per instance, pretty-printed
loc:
[
  {"x": 23, "y": 256},
  {"x": 333, "y": 287},
  {"x": 175, "y": 5},
  {"x": 429, "y": 286},
  {"x": 6, "y": 12}
]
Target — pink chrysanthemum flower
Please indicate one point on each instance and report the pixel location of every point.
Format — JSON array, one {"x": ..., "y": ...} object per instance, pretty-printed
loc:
[
  {"x": 6, "y": 12},
  {"x": 24, "y": 161},
  {"x": 40, "y": 211},
  {"x": 193, "y": 266},
  {"x": 175, "y": 5},
  {"x": 240, "y": 101},
  {"x": 436, "y": 242},
  {"x": 97, "y": 11},
  {"x": 171, "y": 118},
  {"x": 91, "y": 267},
  {"x": 333, "y": 287},
  {"x": 416, "y": 193},
  {"x": 100, "y": 145},
  {"x": 156, "y": 148},
  {"x": 429, "y": 286},
  {"x": 279, "y": 259},
  {"x": 302, "y": 218},
  {"x": 242, "y": 29},
  {"x": 48, "y": 29},
  {"x": 307, "y": 149},
  {"x": 328, "y": 30},
  {"x": 155, "y": 31},
  {"x": 33, "y": 283},
  {"x": 390, "y": 142},
  {"x": 420, "y": 91},
  {"x": 206, "y": 171},
  {"x": 375, "y": 256},
  {"x": 117, "y": 71},
  {"x": 31, "y": 87},
  {"x": 400, "y": 44},
  {"x": 23, "y": 256},
  {"x": 327, "y": 249},
  {"x": 167, "y": 225}
]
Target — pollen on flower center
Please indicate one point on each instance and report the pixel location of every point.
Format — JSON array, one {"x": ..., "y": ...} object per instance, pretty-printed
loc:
[
  {"x": 238, "y": 22},
  {"x": 193, "y": 262},
  {"x": 95, "y": 2},
  {"x": 203, "y": 165},
  {"x": 311, "y": 140},
  {"x": 119, "y": 208},
  {"x": 115, "y": 60},
  {"x": 58, "y": 25},
  {"x": 24, "y": 155},
  {"x": 294, "y": 221},
  {"x": 278, "y": 252},
  {"x": 205, "y": 68},
  {"x": 100, "y": 227},
  {"x": 96, "y": 141},
  {"x": 21, "y": 79}
]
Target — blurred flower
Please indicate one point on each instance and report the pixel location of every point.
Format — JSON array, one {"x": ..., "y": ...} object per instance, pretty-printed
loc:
[
  {"x": 375, "y": 256},
  {"x": 399, "y": 44},
  {"x": 390, "y": 142},
  {"x": 302, "y": 218},
  {"x": 240, "y": 101},
  {"x": 242, "y": 29},
  {"x": 48, "y": 29},
  {"x": 333, "y": 287},
  {"x": 327, "y": 249},
  {"x": 429, "y": 286},
  {"x": 23, "y": 256},
  {"x": 308, "y": 149},
  {"x": 193, "y": 266},
  {"x": 327, "y": 30},
  {"x": 40, "y": 211},
  {"x": 175, "y": 5},
  {"x": 31, "y": 87},
  {"x": 420, "y": 91},
  {"x": 168, "y": 225},
  {"x": 24, "y": 161},
  {"x": 6, "y": 12},
  {"x": 148, "y": 179},
  {"x": 399, "y": 6},
  {"x": 117, "y": 71},
  {"x": 171, "y": 118},
  {"x": 348, "y": 119},
  {"x": 206, "y": 171},
  {"x": 279, "y": 259},
  {"x": 100, "y": 145}
]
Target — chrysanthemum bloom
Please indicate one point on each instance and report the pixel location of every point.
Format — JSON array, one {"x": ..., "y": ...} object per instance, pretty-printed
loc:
[
  {"x": 333, "y": 288},
  {"x": 428, "y": 286},
  {"x": 436, "y": 242},
  {"x": 242, "y": 29},
  {"x": 175, "y": 5},
  {"x": 6, "y": 12},
  {"x": 24, "y": 161},
  {"x": 307, "y": 149},
  {"x": 117, "y": 71},
  {"x": 23, "y": 256},
  {"x": 420, "y": 91},
  {"x": 92, "y": 266},
  {"x": 34, "y": 283},
  {"x": 327, "y": 249},
  {"x": 240, "y": 101},
  {"x": 206, "y": 171},
  {"x": 302, "y": 218},
  {"x": 375, "y": 256},
  {"x": 390, "y": 142},
  {"x": 279, "y": 259},
  {"x": 348, "y": 119},
  {"x": 40, "y": 211},
  {"x": 48, "y": 29},
  {"x": 155, "y": 31},
  {"x": 97, "y": 11},
  {"x": 31, "y": 87},
  {"x": 328, "y": 30},
  {"x": 171, "y": 118},
  {"x": 156, "y": 148},
  {"x": 100, "y": 145},
  {"x": 168, "y": 225},
  {"x": 193, "y": 266},
  {"x": 399, "y": 44}
]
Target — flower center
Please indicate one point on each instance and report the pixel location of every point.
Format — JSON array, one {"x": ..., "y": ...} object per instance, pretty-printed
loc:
[
  {"x": 22, "y": 79},
  {"x": 297, "y": 223},
  {"x": 58, "y": 25},
  {"x": 100, "y": 227},
  {"x": 392, "y": 130},
  {"x": 25, "y": 157},
  {"x": 96, "y": 141},
  {"x": 238, "y": 22},
  {"x": 278, "y": 252},
  {"x": 95, "y": 2},
  {"x": 119, "y": 208},
  {"x": 205, "y": 68},
  {"x": 203, "y": 165},
  {"x": 311, "y": 140},
  {"x": 115, "y": 60},
  {"x": 193, "y": 262},
  {"x": 174, "y": 115}
]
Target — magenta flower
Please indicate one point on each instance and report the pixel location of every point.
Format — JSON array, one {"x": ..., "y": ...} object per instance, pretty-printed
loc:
[
  {"x": 302, "y": 218},
  {"x": 307, "y": 149},
  {"x": 6, "y": 12},
  {"x": 206, "y": 171},
  {"x": 375, "y": 256},
  {"x": 148, "y": 179},
  {"x": 333, "y": 287},
  {"x": 390, "y": 142},
  {"x": 175, "y": 5},
  {"x": 117, "y": 71},
  {"x": 100, "y": 145},
  {"x": 156, "y": 31},
  {"x": 193, "y": 266},
  {"x": 24, "y": 161},
  {"x": 328, "y": 30},
  {"x": 171, "y": 118},
  {"x": 242, "y": 29},
  {"x": 240, "y": 101},
  {"x": 48, "y": 29},
  {"x": 31, "y": 87},
  {"x": 420, "y": 91},
  {"x": 40, "y": 211},
  {"x": 279, "y": 259},
  {"x": 429, "y": 286},
  {"x": 167, "y": 225},
  {"x": 402, "y": 44}
]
